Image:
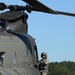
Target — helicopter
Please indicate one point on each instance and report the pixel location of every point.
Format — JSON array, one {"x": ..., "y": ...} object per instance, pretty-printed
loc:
[{"x": 18, "y": 50}]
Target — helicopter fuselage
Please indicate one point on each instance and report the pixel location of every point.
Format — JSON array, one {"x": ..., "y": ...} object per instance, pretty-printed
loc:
[
  {"x": 17, "y": 59},
  {"x": 20, "y": 49}
]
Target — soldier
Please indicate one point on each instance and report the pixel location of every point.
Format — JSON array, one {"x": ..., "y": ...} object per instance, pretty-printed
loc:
[{"x": 43, "y": 64}]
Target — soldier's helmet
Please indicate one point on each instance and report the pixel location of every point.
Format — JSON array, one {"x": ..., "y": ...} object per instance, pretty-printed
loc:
[{"x": 43, "y": 54}]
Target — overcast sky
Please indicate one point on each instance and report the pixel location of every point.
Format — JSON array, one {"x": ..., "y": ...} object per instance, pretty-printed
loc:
[{"x": 54, "y": 34}]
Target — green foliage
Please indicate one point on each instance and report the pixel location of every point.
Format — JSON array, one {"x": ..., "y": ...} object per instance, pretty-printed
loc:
[{"x": 62, "y": 68}]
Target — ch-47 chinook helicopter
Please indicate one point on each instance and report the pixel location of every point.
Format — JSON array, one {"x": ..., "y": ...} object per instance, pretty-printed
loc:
[{"x": 18, "y": 50}]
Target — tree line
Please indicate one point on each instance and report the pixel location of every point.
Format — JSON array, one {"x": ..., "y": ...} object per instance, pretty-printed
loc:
[{"x": 61, "y": 68}]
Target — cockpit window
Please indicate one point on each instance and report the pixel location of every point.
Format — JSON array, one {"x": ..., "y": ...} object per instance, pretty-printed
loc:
[
  {"x": 26, "y": 55},
  {"x": 36, "y": 53},
  {"x": 14, "y": 57},
  {"x": 2, "y": 22},
  {"x": 1, "y": 58},
  {"x": 2, "y": 25}
]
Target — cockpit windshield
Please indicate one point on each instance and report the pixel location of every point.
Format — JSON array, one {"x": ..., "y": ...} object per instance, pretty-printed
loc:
[{"x": 2, "y": 25}]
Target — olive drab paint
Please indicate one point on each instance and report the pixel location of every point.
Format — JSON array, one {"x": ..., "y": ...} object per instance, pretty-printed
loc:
[{"x": 18, "y": 50}]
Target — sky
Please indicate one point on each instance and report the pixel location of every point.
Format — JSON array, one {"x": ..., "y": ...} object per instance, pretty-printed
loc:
[{"x": 54, "y": 34}]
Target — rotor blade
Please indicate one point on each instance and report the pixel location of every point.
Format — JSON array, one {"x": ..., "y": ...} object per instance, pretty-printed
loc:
[
  {"x": 39, "y": 6},
  {"x": 65, "y": 13},
  {"x": 58, "y": 12}
]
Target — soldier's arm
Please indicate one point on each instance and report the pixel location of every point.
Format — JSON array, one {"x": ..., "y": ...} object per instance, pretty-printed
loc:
[{"x": 47, "y": 64}]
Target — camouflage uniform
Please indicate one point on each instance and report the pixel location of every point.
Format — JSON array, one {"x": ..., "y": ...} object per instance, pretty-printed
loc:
[{"x": 43, "y": 65}]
